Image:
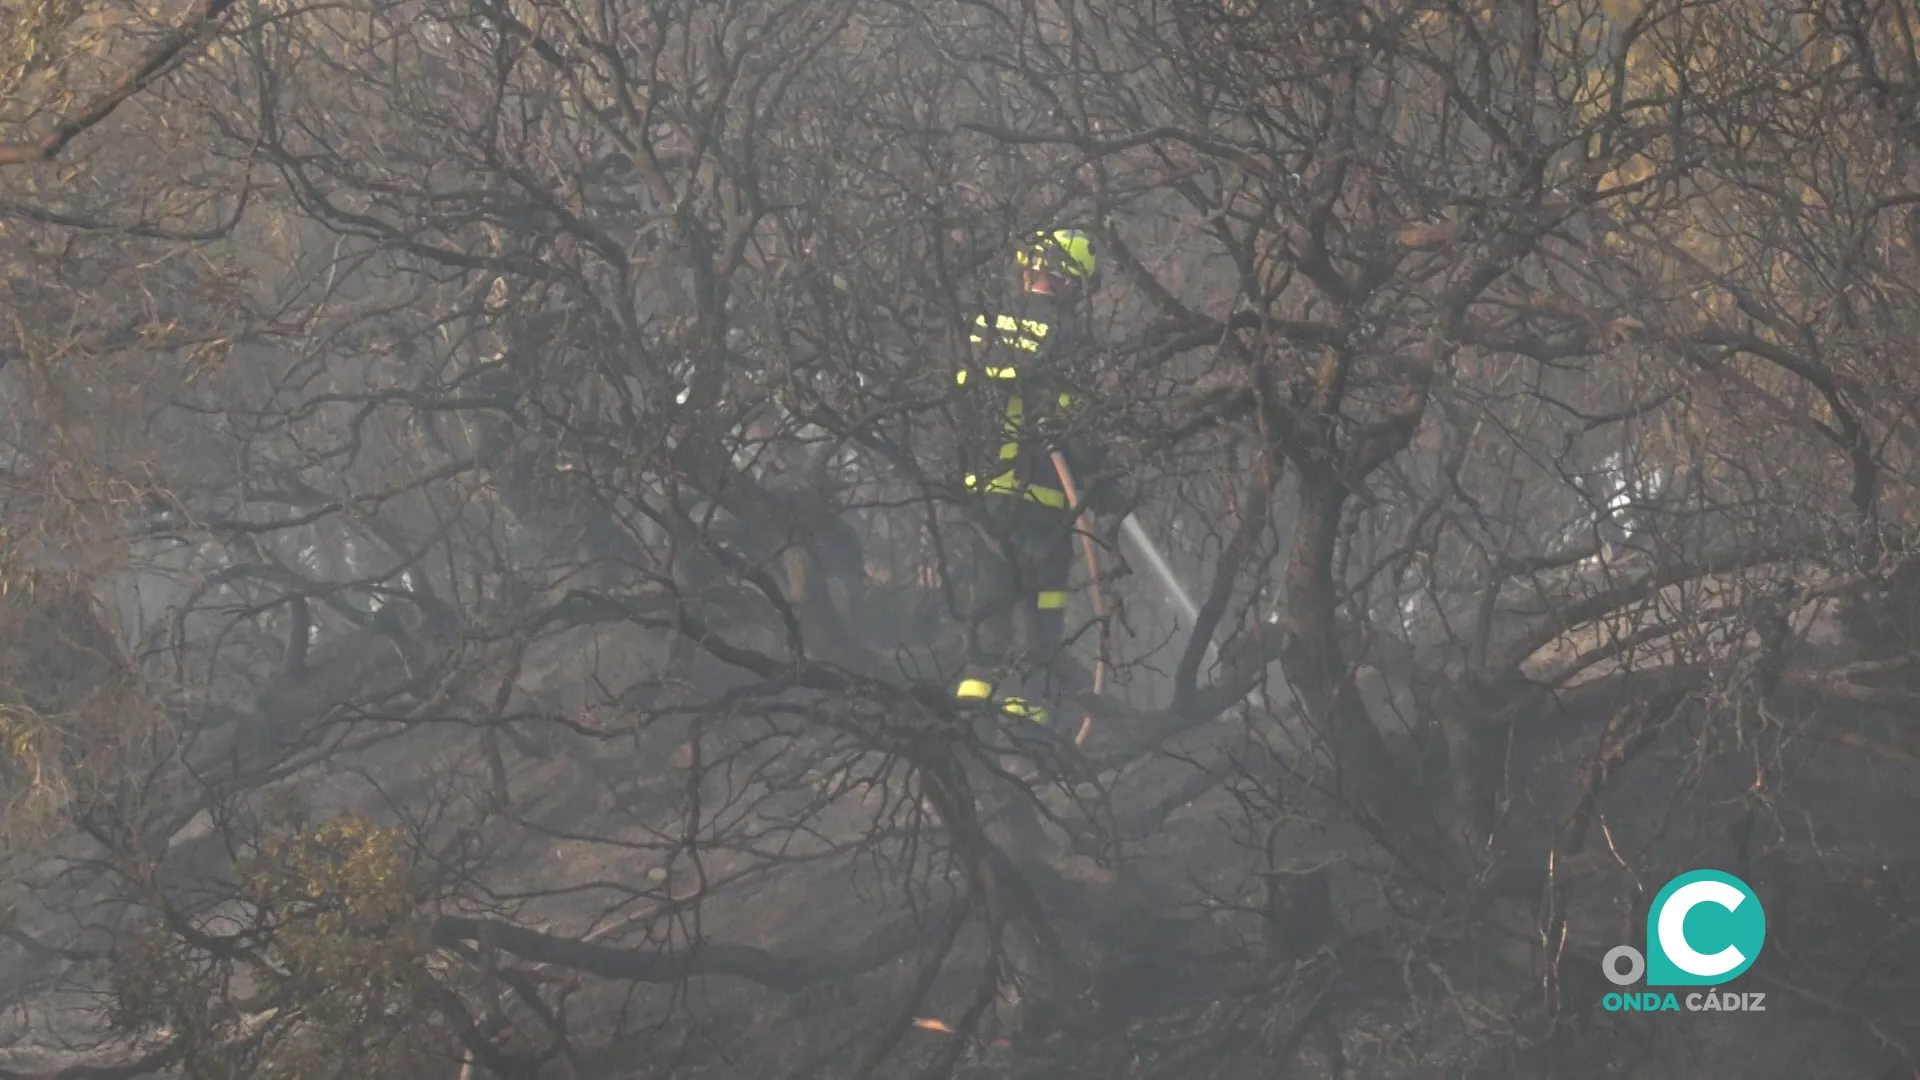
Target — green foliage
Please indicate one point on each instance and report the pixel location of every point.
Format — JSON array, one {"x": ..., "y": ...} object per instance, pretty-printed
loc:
[{"x": 326, "y": 979}]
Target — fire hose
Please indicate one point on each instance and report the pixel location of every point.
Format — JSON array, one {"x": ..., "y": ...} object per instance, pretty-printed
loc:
[
  {"x": 1131, "y": 528},
  {"x": 1093, "y": 589}
]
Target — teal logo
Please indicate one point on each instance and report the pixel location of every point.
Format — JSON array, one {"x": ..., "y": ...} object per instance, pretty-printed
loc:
[{"x": 1704, "y": 928}]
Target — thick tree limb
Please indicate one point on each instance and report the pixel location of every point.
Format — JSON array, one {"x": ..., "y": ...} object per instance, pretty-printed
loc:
[
  {"x": 1575, "y": 613},
  {"x": 145, "y": 1065},
  {"x": 1631, "y": 730},
  {"x": 170, "y": 50},
  {"x": 786, "y": 974}
]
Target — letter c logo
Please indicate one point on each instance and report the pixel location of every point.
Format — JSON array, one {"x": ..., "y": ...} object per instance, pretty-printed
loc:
[
  {"x": 1673, "y": 932},
  {"x": 1723, "y": 911}
]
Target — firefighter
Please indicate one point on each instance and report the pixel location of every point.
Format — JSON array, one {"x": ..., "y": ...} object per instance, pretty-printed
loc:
[
  {"x": 1017, "y": 402},
  {"x": 1016, "y": 593}
]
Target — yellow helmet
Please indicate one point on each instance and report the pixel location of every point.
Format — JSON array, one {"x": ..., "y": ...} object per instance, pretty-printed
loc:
[{"x": 1073, "y": 246}]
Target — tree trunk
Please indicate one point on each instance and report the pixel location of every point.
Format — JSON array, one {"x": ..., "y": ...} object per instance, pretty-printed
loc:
[{"x": 1367, "y": 778}]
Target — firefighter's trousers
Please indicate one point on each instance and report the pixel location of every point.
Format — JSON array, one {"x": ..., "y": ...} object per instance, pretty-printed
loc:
[
  {"x": 1013, "y": 593},
  {"x": 1014, "y": 601}
]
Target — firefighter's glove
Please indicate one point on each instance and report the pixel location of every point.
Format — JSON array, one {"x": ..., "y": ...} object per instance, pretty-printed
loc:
[
  {"x": 1107, "y": 495},
  {"x": 1052, "y": 431}
]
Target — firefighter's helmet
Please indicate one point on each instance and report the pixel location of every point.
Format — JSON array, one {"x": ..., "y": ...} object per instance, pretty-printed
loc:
[{"x": 1065, "y": 251}]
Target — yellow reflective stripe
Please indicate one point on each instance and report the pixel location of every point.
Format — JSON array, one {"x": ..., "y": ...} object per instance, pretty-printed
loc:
[
  {"x": 1048, "y": 497},
  {"x": 974, "y": 689},
  {"x": 1019, "y": 333},
  {"x": 1007, "y": 484},
  {"x": 960, "y": 377},
  {"x": 1009, "y": 324},
  {"x": 1023, "y": 344},
  {"x": 1052, "y": 600},
  {"x": 1026, "y": 710},
  {"x": 1010, "y": 451}
]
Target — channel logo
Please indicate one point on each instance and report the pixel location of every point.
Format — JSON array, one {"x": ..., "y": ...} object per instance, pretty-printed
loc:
[{"x": 1704, "y": 928}]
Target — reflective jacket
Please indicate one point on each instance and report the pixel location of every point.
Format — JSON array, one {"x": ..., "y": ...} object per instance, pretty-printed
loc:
[{"x": 1013, "y": 367}]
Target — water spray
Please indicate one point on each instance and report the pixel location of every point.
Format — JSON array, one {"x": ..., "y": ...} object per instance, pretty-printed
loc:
[
  {"x": 1132, "y": 530},
  {"x": 1158, "y": 563}
]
